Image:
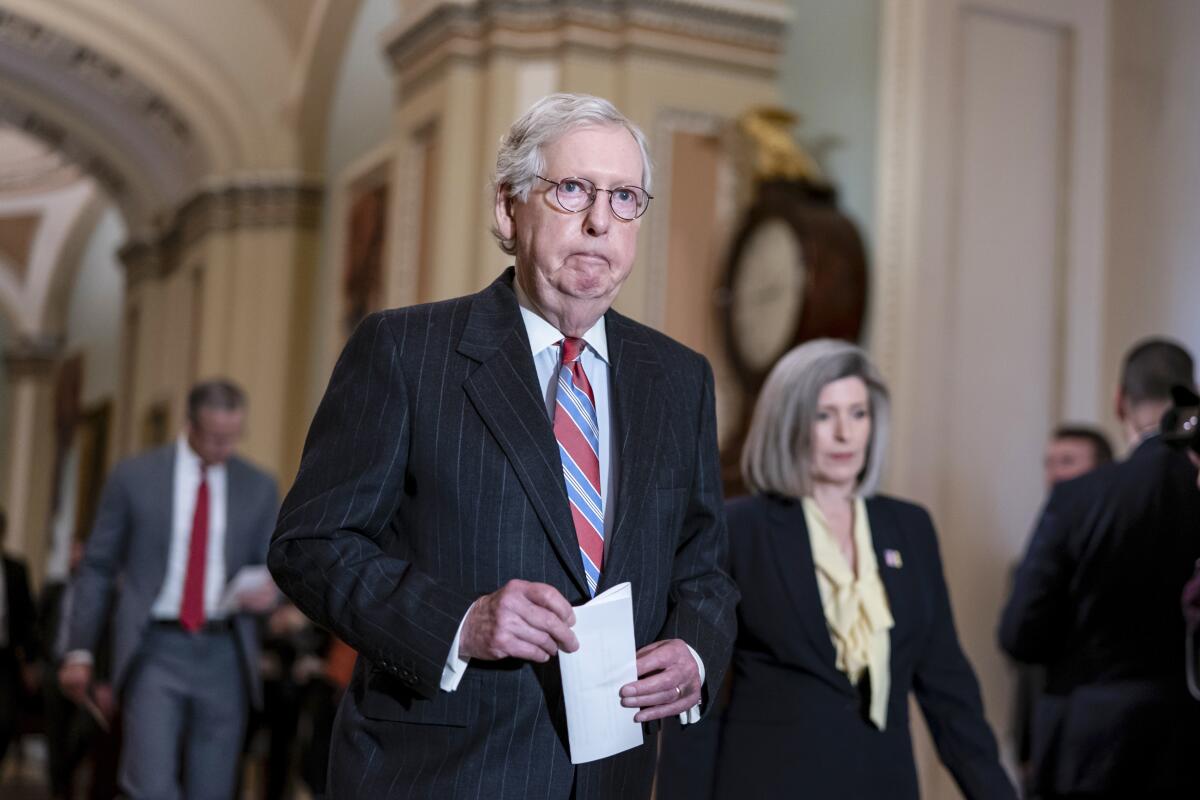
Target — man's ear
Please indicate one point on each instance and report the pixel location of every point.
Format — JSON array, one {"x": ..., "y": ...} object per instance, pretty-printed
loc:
[
  {"x": 1119, "y": 400},
  {"x": 505, "y": 225}
]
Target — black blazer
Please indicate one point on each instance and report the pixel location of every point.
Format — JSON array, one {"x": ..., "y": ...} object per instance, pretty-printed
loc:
[
  {"x": 430, "y": 477},
  {"x": 1096, "y": 599},
  {"x": 22, "y": 616},
  {"x": 794, "y": 725}
]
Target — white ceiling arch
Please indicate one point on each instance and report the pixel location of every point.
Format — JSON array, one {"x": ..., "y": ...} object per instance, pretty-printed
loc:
[{"x": 157, "y": 101}]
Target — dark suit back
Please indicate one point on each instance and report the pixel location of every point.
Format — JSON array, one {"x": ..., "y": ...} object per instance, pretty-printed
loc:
[
  {"x": 430, "y": 477},
  {"x": 21, "y": 647},
  {"x": 21, "y": 633},
  {"x": 794, "y": 725},
  {"x": 1096, "y": 600}
]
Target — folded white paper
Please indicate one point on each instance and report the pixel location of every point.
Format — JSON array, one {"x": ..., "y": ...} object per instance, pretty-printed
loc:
[
  {"x": 597, "y": 724},
  {"x": 249, "y": 579}
]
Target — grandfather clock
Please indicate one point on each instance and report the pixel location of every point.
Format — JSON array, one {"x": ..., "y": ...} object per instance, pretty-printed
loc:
[{"x": 795, "y": 270}]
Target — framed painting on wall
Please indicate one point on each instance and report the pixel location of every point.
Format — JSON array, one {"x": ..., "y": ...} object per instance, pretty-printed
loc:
[{"x": 366, "y": 237}]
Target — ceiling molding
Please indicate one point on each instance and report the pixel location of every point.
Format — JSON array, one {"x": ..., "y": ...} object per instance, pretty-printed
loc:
[
  {"x": 249, "y": 205},
  {"x": 745, "y": 37}
]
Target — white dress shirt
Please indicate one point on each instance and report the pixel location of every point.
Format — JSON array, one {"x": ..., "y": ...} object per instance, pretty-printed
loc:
[
  {"x": 183, "y": 509},
  {"x": 185, "y": 485},
  {"x": 545, "y": 342}
]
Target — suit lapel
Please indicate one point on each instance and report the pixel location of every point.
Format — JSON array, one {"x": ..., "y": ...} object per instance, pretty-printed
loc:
[
  {"x": 636, "y": 414},
  {"x": 504, "y": 391},
  {"x": 157, "y": 482},
  {"x": 236, "y": 504},
  {"x": 889, "y": 554},
  {"x": 798, "y": 574}
]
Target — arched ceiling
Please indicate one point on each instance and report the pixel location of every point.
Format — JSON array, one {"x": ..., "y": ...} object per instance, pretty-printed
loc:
[
  {"x": 48, "y": 207},
  {"x": 158, "y": 98}
]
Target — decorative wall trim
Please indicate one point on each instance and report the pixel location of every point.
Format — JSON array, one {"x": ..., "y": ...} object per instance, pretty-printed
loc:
[
  {"x": 33, "y": 356},
  {"x": 80, "y": 70},
  {"x": 250, "y": 205},
  {"x": 99, "y": 72},
  {"x": 746, "y": 37},
  {"x": 666, "y": 125},
  {"x": 895, "y": 234}
]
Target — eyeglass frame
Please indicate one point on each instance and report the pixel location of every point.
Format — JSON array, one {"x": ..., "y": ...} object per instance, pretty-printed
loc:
[{"x": 592, "y": 196}]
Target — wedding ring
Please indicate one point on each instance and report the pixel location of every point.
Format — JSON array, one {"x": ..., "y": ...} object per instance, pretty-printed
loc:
[{"x": 678, "y": 693}]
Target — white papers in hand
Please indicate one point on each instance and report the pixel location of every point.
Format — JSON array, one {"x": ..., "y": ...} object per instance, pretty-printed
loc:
[
  {"x": 248, "y": 580},
  {"x": 597, "y": 724}
]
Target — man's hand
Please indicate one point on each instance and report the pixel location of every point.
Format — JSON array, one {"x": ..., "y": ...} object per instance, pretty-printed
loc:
[
  {"x": 668, "y": 681},
  {"x": 106, "y": 701},
  {"x": 530, "y": 621},
  {"x": 75, "y": 678},
  {"x": 31, "y": 677},
  {"x": 260, "y": 599}
]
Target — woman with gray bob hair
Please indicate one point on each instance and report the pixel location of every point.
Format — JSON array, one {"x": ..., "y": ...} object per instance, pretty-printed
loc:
[
  {"x": 777, "y": 454},
  {"x": 521, "y": 158},
  {"x": 844, "y": 608}
]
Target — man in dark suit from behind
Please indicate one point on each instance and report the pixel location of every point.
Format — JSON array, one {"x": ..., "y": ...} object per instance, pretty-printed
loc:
[
  {"x": 451, "y": 505},
  {"x": 173, "y": 528},
  {"x": 18, "y": 640},
  {"x": 1071, "y": 451},
  {"x": 1096, "y": 600}
]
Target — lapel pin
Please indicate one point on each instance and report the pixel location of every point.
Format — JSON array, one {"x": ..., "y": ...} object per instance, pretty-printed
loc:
[{"x": 892, "y": 559}]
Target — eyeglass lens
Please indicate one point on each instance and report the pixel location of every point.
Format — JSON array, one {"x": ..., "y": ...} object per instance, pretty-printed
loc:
[{"x": 627, "y": 202}]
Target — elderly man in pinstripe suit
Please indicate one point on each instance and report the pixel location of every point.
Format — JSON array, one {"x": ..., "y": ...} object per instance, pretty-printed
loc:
[{"x": 480, "y": 465}]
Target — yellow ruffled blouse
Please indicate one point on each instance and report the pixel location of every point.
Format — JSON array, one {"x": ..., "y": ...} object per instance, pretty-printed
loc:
[{"x": 856, "y": 606}]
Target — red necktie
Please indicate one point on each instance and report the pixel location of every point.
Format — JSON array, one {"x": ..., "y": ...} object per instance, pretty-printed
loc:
[
  {"x": 191, "y": 611},
  {"x": 578, "y": 434}
]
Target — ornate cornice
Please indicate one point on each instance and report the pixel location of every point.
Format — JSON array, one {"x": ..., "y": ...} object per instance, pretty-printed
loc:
[
  {"x": 33, "y": 356},
  {"x": 40, "y": 57},
  {"x": 238, "y": 206},
  {"x": 742, "y": 36},
  {"x": 97, "y": 71}
]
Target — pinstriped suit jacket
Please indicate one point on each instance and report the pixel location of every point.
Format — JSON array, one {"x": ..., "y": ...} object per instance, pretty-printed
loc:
[{"x": 430, "y": 477}]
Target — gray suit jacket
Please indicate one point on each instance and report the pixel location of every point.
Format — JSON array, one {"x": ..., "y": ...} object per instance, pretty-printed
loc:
[
  {"x": 430, "y": 477},
  {"x": 129, "y": 545}
]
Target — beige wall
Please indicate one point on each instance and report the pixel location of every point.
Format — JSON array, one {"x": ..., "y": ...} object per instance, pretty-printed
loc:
[
  {"x": 1154, "y": 167},
  {"x": 989, "y": 266}
]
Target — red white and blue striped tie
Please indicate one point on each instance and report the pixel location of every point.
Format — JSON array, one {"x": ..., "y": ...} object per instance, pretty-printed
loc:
[{"x": 578, "y": 434}]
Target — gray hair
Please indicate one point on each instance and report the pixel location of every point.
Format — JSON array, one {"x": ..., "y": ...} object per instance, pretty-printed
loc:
[
  {"x": 777, "y": 457},
  {"x": 521, "y": 157}
]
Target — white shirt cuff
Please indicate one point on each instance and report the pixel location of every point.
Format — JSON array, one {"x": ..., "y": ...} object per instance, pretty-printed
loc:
[
  {"x": 693, "y": 714},
  {"x": 456, "y": 667},
  {"x": 79, "y": 657}
]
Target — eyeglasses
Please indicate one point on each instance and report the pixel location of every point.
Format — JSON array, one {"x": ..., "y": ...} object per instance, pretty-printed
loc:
[{"x": 578, "y": 194}]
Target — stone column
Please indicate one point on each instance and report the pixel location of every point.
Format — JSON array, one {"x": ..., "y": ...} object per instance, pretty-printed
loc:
[{"x": 30, "y": 365}]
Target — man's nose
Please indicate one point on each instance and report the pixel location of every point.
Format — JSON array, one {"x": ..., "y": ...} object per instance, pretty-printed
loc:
[{"x": 598, "y": 217}]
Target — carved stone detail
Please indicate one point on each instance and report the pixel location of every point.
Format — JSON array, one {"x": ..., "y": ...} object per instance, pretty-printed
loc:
[
  {"x": 33, "y": 356},
  {"x": 280, "y": 204},
  {"x": 98, "y": 72},
  {"x": 728, "y": 34}
]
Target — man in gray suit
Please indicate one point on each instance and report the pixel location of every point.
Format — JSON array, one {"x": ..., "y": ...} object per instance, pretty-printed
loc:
[
  {"x": 479, "y": 466},
  {"x": 173, "y": 528}
]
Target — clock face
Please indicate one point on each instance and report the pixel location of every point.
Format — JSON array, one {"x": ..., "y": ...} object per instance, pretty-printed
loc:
[{"x": 767, "y": 294}]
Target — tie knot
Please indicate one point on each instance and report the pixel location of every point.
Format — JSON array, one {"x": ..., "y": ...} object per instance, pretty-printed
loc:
[{"x": 571, "y": 349}]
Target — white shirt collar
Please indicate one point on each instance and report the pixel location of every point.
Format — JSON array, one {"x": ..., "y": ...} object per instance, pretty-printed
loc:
[
  {"x": 542, "y": 334},
  {"x": 184, "y": 450}
]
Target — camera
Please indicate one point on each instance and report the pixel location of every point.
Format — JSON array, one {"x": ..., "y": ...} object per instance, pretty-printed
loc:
[{"x": 1181, "y": 423}]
